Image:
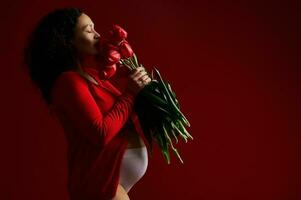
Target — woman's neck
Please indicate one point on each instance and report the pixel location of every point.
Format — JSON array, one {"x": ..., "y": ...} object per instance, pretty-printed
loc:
[
  {"x": 85, "y": 61},
  {"x": 81, "y": 71}
]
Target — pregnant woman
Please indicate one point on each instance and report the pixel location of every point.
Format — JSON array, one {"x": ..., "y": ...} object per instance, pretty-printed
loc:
[{"x": 106, "y": 147}]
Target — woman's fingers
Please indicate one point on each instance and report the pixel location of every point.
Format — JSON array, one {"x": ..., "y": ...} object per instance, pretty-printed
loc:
[
  {"x": 140, "y": 75},
  {"x": 144, "y": 78},
  {"x": 137, "y": 80},
  {"x": 137, "y": 71}
]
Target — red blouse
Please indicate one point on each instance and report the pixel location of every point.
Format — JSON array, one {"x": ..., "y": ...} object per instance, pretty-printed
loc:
[{"x": 96, "y": 120}]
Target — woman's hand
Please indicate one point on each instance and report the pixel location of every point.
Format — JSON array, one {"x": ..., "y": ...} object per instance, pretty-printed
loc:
[{"x": 137, "y": 80}]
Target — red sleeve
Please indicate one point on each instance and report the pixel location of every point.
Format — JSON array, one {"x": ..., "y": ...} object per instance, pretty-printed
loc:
[{"x": 71, "y": 96}]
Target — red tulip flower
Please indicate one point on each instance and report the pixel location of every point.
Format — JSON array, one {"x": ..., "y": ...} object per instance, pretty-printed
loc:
[
  {"x": 107, "y": 58},
  {"x": 113, "y": 56},
  {"x": 108, "y": 71},
  {"x": 118, "y": 34},
  {"x": 125, "y": 50}
]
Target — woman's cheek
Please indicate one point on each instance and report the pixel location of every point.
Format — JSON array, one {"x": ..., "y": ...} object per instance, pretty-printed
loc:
[
  {"x": 86, "y": 44},
  {"x": 89, "y": 40},
  {"x": 86, "y": 41}
]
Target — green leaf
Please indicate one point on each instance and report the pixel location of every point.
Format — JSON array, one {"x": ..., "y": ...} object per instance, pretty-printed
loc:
[
  {"x": 183, "y": 129},
  {"x": 135, "y": 60},
  {"x": 179, "y": 131},
  {"x": 169, "y": 98}
]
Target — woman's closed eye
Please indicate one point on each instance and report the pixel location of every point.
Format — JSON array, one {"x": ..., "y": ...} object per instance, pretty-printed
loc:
[{"x": 90, "y": 30}]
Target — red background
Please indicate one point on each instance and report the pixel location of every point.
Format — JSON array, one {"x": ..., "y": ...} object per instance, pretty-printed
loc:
[{"x": 234, "y": 67}]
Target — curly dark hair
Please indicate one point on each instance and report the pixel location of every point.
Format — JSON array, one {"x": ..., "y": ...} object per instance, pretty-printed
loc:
[{"x": 49, "y": 51}]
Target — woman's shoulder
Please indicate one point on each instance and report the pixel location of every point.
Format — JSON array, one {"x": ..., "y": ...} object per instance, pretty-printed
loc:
[{"x": 68, "y": 81}]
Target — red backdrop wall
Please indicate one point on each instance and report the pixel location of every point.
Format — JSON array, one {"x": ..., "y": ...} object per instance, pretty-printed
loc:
[{"x": 234, "y": 66}]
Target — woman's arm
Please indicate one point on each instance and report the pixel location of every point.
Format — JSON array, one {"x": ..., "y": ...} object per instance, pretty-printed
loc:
[{"x": 71, "y": 95}]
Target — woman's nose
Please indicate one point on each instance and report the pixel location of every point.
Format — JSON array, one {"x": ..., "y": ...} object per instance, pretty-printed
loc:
[{"x": 97, "y": 35}]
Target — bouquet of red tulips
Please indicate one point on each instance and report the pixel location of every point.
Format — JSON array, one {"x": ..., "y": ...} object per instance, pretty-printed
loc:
[{"x": 156, "y": 104}]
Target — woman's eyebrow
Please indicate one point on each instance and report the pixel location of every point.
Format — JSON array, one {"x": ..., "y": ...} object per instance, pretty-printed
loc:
[{"x": 88, "y": 25}]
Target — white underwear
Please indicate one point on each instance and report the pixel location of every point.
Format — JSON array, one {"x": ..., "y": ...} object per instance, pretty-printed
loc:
[{"x": 133, "y": 166}]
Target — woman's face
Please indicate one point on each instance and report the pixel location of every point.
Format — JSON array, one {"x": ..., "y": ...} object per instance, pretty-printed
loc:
[{"x": 85, "y": 37}]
